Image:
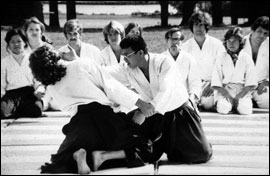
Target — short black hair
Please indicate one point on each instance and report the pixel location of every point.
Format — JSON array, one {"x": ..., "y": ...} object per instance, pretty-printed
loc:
[
  {"x": 45, "y": 67},
  {"x": 262, "y": 21},
  {"x": 200, "y": 17},
  {"x": 169, "y": 33},
  {"x": 14, "y": 32},
  {"x": 136, "y": 43}
]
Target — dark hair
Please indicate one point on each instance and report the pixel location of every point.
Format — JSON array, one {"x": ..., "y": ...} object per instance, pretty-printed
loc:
[
  {"x": 45, "y": 66},
  {"x": 136, "y": 43},
  {"x": 131, "y": 26},
  {"x": 35, "y": 20},
  {"x": 170, "y": 32},
  {"x": 14, "y": 32},
  {"x": 235, "y": 32},
  {"x": 199, "y": 17},
  {"x": 262, "y": 21}
]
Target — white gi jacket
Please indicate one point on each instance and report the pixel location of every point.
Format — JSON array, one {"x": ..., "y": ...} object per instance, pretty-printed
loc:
[
  {"x": 88, "y": 51},
  {"x": 165, "y": 90},
  {"x": 86, "y": 82},
  {"x": 206, "y": 56},
  {"x": 108, "y": 57},
  {"x": 262, "y": 63},
  {"x": 189, "y": 71}
]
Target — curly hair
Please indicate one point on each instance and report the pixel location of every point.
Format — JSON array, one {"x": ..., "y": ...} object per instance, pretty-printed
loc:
[{"x": 45, "y": 66}]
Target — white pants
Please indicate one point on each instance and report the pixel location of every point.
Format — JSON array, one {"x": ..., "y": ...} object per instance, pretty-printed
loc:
[
  {"x": 262, "y": 100},
  {"x": 223, "y": 106}
]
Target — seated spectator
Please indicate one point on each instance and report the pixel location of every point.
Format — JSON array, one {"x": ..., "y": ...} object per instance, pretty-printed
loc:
[
  {"x": 73, "y": 33},
  {"x": 133, "y": 29},
  {"x": 204, "y": 48},
  {"x": 34, "y": 31},
  {"x": 20, "y": 93},
  {"x": 234, "y": 76},
  {"x": 257, "y": 46},
  {"x": 113, "y": 34},
  {"x": 187, "y": 64}
]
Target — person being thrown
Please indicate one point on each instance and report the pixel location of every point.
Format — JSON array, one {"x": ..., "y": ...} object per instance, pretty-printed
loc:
[{"x": 91, "y": 96}]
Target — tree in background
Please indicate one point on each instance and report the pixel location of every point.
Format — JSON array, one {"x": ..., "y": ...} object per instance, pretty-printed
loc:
[
  {"x": 71, "y": 9},
  {"x": 54, "y": 18},
  {"x": 164, "y": 12},
  {"x": 217, "y": 14},
  {"x": 13, "y": 13}
]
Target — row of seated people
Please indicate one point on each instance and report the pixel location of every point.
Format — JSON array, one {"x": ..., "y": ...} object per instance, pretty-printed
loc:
[{"x": 223, "y": 77}]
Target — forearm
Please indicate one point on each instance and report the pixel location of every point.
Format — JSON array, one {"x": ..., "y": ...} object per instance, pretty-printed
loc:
[
  {"x": 221, "y": 90},
  {"x": 245, "y": 91}
]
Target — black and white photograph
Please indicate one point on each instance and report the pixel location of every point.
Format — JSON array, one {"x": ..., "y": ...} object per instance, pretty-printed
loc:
[{"x": 135, "y": 87}]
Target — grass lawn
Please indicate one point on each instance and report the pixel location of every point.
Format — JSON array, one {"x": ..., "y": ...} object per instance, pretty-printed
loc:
[{"x": 154, "y": 38}]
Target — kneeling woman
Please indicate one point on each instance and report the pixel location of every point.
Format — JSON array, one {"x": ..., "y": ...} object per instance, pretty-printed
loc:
[
  {"x": 95, "y": 132},
  {"x": 20, "y": 93}
]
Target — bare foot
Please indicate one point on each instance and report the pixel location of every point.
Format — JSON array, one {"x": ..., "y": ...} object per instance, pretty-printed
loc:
[
  {"x": 97, "y": 159},
  {"x": 80, "y": 157}
]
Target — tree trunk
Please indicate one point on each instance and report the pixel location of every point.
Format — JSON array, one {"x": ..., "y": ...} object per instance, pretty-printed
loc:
[
  {"x": 188, "y": 7},
  {"x": 14, "y": 13},
  {"x": 164, "y": 13},
  {"x": 54, "y": 18},
  {"x": 71, "y": 10},
  {"x": 217, "y": 13}
]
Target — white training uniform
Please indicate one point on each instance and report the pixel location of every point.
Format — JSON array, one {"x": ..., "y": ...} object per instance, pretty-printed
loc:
[
  {"x": 164, "y": 91},
  {"x": 87, "y": 51},
  {"x": 205, "y": 59},
  {"x": 233, "y": 79},
  {"x": 108, "y": 57},
  {"x": 86, "y": 82},
  {"x": 189, "y": 71},
  {"x": 14, "y": 75},
  {"x": 262, "y": 70}
]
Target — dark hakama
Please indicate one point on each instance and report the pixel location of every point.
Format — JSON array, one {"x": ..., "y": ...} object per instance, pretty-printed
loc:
[
  {"x": 97, "y": 127},
  {"x": 24, "y": 103},
  {"x": 179, "y": 134}
]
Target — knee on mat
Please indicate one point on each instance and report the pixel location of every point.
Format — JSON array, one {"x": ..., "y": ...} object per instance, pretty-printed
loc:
[
  {"x": 223, "y": 107},
  {"x": 244, "y": 107},
  {"x": 207, "y": 103}
]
